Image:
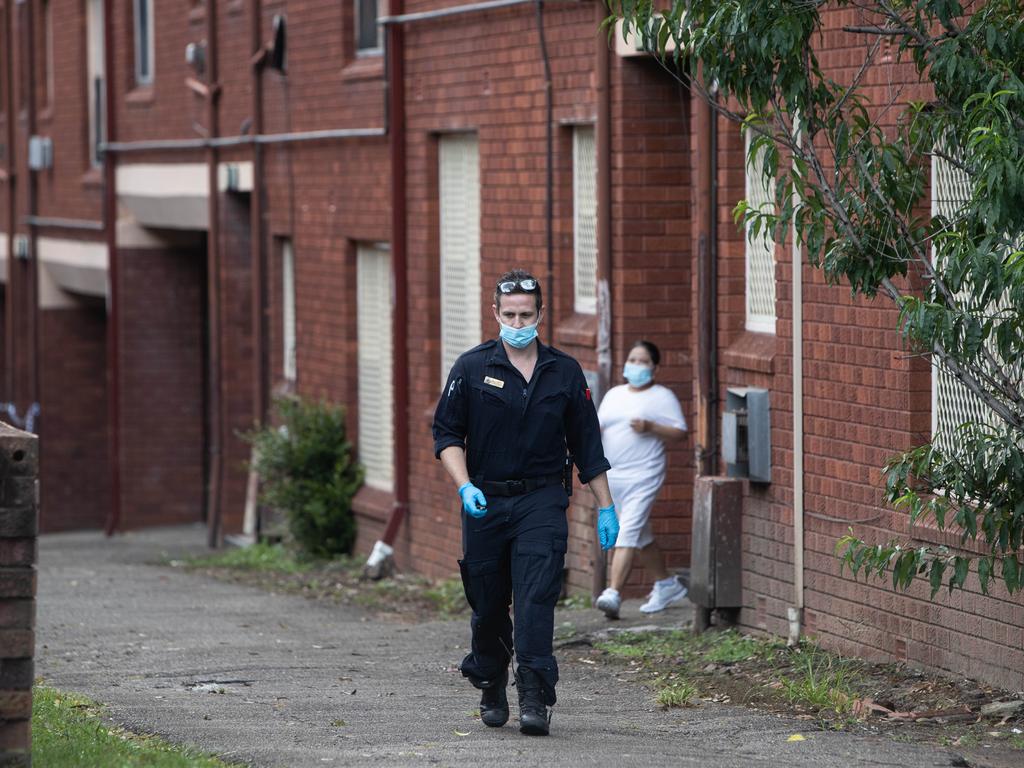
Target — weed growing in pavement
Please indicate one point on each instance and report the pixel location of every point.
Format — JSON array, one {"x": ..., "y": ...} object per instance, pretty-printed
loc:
[
  {"x": 821, "y": 682},
  {"x": 576, "y": 602},
  {"x": 448, "y": 597},
  {"x": 674, "y": 692},
  {"x": 68, "y": 732}
]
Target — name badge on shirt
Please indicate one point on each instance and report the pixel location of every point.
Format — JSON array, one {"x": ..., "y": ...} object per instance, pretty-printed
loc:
[{"x": 494, "y": 382}]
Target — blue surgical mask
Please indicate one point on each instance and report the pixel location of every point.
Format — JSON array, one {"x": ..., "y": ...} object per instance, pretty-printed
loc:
[
  {"x": 518, "y": 337},
  {"x": 637, "y": 375}
]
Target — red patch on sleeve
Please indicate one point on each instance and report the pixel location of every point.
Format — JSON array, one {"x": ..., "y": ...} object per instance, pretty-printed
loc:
[{"x": 587, "y": 391}]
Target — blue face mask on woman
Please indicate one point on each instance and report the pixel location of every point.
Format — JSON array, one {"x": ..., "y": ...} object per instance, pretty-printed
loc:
[
  {"x": 518, "y": 337},
  {"x": 637, "y": 375}
]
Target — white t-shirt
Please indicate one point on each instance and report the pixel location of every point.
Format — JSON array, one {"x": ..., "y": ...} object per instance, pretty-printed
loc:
[{"x": 628, "y": 451}]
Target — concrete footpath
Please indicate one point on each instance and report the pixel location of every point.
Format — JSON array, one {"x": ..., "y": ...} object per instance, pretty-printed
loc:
[{"x": 271, "y": 680}]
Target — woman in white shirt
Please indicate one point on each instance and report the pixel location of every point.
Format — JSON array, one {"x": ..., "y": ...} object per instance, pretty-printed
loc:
[{"x": 637, "y": 419}]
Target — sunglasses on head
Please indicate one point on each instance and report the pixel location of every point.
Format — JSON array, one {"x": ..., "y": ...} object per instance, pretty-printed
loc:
[{"x": 527, "y": 284}]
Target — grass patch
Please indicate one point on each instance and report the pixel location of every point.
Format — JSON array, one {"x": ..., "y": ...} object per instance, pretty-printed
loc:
[
  {"x": 674, "y": 692},
  {"x": 270, "y": 558},
  {"x": 68, "y": 732},
  {"x": 821, "y": 682}
]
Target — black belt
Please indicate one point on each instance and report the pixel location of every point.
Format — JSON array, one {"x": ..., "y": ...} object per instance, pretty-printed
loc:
[{"x": 517, "y": 487}]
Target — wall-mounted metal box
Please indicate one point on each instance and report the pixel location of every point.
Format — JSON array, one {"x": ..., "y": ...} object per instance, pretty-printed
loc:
[
  {"x": 715, "y": 561},
  {"x": 40, "y": 153},
  {"x": 747, "y": 434}
]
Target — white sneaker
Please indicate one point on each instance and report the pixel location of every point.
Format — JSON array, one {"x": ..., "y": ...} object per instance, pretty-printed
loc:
[
  {"x": 662, "y": 597},
  {"x": 609, "y": 602}
]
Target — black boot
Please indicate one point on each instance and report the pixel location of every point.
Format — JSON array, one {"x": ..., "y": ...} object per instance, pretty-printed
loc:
[
  {"x": 494, "y": 704},
  {"x": 533, "y": 715}
]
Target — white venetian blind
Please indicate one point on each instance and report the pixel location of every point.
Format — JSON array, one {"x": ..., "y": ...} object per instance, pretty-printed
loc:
[
  {"x": 952, "y": 403},
  {"x": 760, "y": 249},
  {"x": 373, "y": 326},
  {"x": 459, "y": 160},
  {"x": 288, "y": 309},
  {"x": 584, "y": 199}
]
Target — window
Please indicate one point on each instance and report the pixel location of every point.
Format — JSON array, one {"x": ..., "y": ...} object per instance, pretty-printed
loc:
[
  {"x": 368, "y": 32},
  {"x": 95, "y": 73},
  {"x": 459, "y": 161},
  {"x": 953, "y": 403},
  {"x": 373, "y": 322},
  {"x": 288, "y": 310},
  {"x": 760, "y": 249},
  {"x": 584, "y": 206},
  {"x": 143, "y": 41}
]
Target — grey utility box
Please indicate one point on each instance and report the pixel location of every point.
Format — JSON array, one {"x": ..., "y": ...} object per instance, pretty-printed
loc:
[
  {"x": 715, "y": 561},
  {"x": 747, "y": 434}
]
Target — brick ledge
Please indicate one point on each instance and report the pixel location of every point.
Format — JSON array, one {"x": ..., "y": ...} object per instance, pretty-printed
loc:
[{"x": 751, "y": 352}]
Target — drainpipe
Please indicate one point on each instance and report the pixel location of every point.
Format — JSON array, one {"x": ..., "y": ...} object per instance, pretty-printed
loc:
[
  {"x": 549, "y": 225},
  {"x": 257, "y": 246},
  {"x": 380, "y": 559},
  {"x": 31, "y": 264},
  {"x": 215, "y": 537},
  {"x": 113, "y": 286},
  {"x": 796, "y": 613},
  {"x": 705, "y": 235},
  {"x": 603, "y": 141},
  {"x": 10, "y": 177}
]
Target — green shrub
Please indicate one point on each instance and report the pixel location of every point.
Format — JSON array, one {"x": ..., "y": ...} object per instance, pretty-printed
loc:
[{"x": 307, "y": 473}]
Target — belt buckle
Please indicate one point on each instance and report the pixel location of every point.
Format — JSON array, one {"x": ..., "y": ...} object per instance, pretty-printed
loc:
[{"x": 516, "y": 487}]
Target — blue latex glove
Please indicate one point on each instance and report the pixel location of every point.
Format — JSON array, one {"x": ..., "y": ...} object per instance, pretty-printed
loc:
[
  {"x": 473, "y": 500},
  {"x": 607, "y": 527}
]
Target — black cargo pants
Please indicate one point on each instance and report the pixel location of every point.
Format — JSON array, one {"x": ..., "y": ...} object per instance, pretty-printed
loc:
[{"x": 514, "y": 556}]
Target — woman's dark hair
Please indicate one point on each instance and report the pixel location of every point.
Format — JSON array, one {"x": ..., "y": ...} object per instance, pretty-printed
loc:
[{"x": 652, "y": 350}]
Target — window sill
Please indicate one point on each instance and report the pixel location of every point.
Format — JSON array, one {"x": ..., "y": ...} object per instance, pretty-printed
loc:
[
  {"x": 373, "y": 503},
  {"x": 45, "y": 114},
  {"x": 751, "y": 352},
  {"x": 141, "y": 95},
  {"x": 93, "y": 177},
  {"x": 197, "y": 14},
  {"x": 577, "y": 330},
  {"x": 364, "y": 67}
]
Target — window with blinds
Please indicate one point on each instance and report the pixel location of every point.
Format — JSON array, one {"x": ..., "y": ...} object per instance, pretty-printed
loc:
[
  {"x": 288, "y": 310},
  {"x": 953, "y": 404},
  {"x": 759, "y": 284},
  {"x": 373, "y": 326},
  {"x": 584, "y": 206},
  {"x": 459, "y": 188}
]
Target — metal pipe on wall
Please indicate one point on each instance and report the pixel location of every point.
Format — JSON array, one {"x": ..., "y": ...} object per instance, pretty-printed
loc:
[
  {"x": 603, "y": 141},
  {"x": 256, "y": 245},
  {"x": 395, "y": 83},
  {"x": 113, "y": 270},
  {"x": 213, "y": 269},
  {"x": 10, "y": 180},
  {"x": 549, "y": 179},
  {"x": 30, "y": 265}
]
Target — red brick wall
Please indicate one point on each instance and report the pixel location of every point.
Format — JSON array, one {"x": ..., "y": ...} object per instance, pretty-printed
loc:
[
  {"x": 162, "y": 451},
  {"x": 236, "y": 354},
  {"x": 19, "y": 460},
  {"x": 864, "y": 400},
  {"x": 74, "y": 466}
]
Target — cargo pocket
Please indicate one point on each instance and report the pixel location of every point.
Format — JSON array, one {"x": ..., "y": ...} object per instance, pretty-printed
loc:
[
  {"x": 537, "y": 566},
  {"x": 481, "y": 581}
]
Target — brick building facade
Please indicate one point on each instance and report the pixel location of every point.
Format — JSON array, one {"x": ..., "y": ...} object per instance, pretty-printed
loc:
[{"x": 240, "y": 237}]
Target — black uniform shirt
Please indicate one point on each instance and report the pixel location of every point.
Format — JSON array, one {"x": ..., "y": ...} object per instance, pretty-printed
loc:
[{"x": 512, "y": 430}]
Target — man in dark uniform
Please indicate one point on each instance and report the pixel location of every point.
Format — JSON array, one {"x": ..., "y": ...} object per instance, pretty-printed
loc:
[{"x": 511, "y": 410}]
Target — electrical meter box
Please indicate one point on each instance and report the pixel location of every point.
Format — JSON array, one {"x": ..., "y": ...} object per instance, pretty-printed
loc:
[{"x": 747, "y": 434}]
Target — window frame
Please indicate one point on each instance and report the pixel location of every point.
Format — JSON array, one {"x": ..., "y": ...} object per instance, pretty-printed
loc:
[
  {"x": 148, "y": 44},
  {"x": 754, "y": 321}
]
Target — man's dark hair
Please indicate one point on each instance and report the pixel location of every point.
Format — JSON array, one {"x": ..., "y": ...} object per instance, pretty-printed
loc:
[
  {"x": 652, "y": 350},
  {"x": 515, "y": 276}
]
